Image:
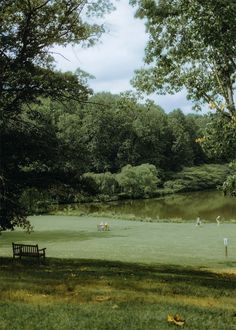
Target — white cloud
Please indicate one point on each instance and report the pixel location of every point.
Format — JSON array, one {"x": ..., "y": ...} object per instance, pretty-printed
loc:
[
  {"x": 114, "y": 60},
  {"x": 170, "y": 102}
]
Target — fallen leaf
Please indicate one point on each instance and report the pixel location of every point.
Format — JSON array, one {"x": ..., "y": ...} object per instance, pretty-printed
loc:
[{"x": 176, "y": 319}]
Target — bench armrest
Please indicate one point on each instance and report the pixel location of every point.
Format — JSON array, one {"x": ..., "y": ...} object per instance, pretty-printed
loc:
[{"x": 42, "y": 249}]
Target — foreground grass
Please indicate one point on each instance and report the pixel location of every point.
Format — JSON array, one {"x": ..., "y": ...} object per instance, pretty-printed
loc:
[{"x": 100, "y": 294}]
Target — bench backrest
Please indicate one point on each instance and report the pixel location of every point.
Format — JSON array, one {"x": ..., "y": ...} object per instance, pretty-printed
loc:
[{"x": 25, "y": 248}]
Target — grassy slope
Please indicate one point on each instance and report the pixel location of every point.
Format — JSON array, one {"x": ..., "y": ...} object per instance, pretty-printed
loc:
[
  {"x": 93, "y": 294},
  {"x": 100, "y": 292}
]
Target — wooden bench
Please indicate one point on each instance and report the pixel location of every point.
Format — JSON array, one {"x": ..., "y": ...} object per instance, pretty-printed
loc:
[{"x": 27, "y": 250}]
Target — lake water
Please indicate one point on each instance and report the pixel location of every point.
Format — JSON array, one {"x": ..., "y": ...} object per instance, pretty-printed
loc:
[{"x": 188, "y": 206}]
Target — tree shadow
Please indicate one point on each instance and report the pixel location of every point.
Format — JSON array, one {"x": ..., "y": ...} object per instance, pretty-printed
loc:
[{"x": 89, "y": 269}]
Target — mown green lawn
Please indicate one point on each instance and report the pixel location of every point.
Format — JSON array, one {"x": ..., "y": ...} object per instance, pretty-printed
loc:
[
  {"x": 129, "y": 241},
  {"x": 129, "y": 278}
]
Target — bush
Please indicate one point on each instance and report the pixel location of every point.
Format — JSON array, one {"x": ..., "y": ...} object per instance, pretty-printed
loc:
[
  {"x": 198, "y": 178},
  {"x": 138, "y": 181},
  {"x": 175, "y": 185},
  {"x": 229, "y": 186},
  {"x": 104, "y": 184}
]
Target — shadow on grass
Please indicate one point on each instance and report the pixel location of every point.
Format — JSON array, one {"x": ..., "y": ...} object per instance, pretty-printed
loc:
[
  {"x": 90, "y": 269},
  {"x": 56, "y": 236},
  {"x": 101, "y": 294}
]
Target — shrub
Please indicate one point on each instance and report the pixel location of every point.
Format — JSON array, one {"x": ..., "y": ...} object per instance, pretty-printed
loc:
[
  {"x": 198, "y": 178},
  {"x": 138, "y": 181},
  {"x": 229, "y": 186},
  {"x": 105, "y": 183}
]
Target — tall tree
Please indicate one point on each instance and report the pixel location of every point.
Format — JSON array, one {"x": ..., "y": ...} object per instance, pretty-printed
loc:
[
  {"x": 192, "y": 45},
  {"x": 181, "y": 149},
  {"x": 28, "y": 31}
]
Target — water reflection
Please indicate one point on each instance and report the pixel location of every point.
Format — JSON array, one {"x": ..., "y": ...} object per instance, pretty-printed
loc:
[{"x": 206, "y": 205}]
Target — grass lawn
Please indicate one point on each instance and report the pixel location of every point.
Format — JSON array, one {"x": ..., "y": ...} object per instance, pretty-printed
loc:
[
  {"x": 130, "y": 241},
  {"x": 129, "y": 278}
]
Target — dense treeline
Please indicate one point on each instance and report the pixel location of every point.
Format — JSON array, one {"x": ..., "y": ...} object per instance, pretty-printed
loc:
[
  {"x": 113, "y": 147},
  {"x": 111, "y": 131}
]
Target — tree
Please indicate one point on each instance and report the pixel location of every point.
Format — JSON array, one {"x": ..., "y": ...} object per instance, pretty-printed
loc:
[
  {"x": 101, "y": 129},
  {"x": 29, "y": 29},
  {"x": 138, "y": 181},
  {"x": 143, "y": 135},
  {"x": 153, "y": 143},
  {"x": 219, "y": 139},
  {"x": 105, "y": 184},
  {"x": 181, "y": 149},
  {"x": 192, "y": 45},
  {"x": 229, "y": 186},
  {"x": 193, "y": 124},
  {"x": 219, "y": 143}
]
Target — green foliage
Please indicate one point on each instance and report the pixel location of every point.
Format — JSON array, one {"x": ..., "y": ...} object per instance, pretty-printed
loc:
[
  {"x": 106, "y": 183},
  {"x": 219, "y": 139},
  {"x": 152, "y": 136},
  {"x": 192, "y": 45},
  {"x": 29, "y": 30},
  {"x": 182, "y": 151},
  {"x": 98, "y": 137},
  {"x": 198, "y": 178},
  {"x": 113, "y": 130},
  {"x": 101, "y": 136},
  {"x": 138, "y": 181},
  {"x": 35, "y": 201},
  {"x": 229, "y": 186},
  {"x": 101, "y": 129},
  {"x": 72, "y": 149},
  {"x": 28, "y": 150},
  {"x": 120, "y": 130},
  {"x": 219, "y": 144},
  {"x": 132, "y": 182}
]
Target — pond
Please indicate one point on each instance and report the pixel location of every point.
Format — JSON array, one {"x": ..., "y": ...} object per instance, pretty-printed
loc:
[{"x": 187, "y": 206}]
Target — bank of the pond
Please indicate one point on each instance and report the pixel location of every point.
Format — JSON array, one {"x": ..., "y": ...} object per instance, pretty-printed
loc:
[
  {"x": 104, "y": 188},
  {"x": 207, "y": 205}
]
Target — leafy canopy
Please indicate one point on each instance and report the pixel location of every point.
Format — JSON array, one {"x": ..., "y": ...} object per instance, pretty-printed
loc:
[
  {"x": 192, "y": 44},
  {"x": 28, "y": 31}
]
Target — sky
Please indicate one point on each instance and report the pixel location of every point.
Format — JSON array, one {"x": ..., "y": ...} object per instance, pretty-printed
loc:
[{"x": 113, "y": 61}]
